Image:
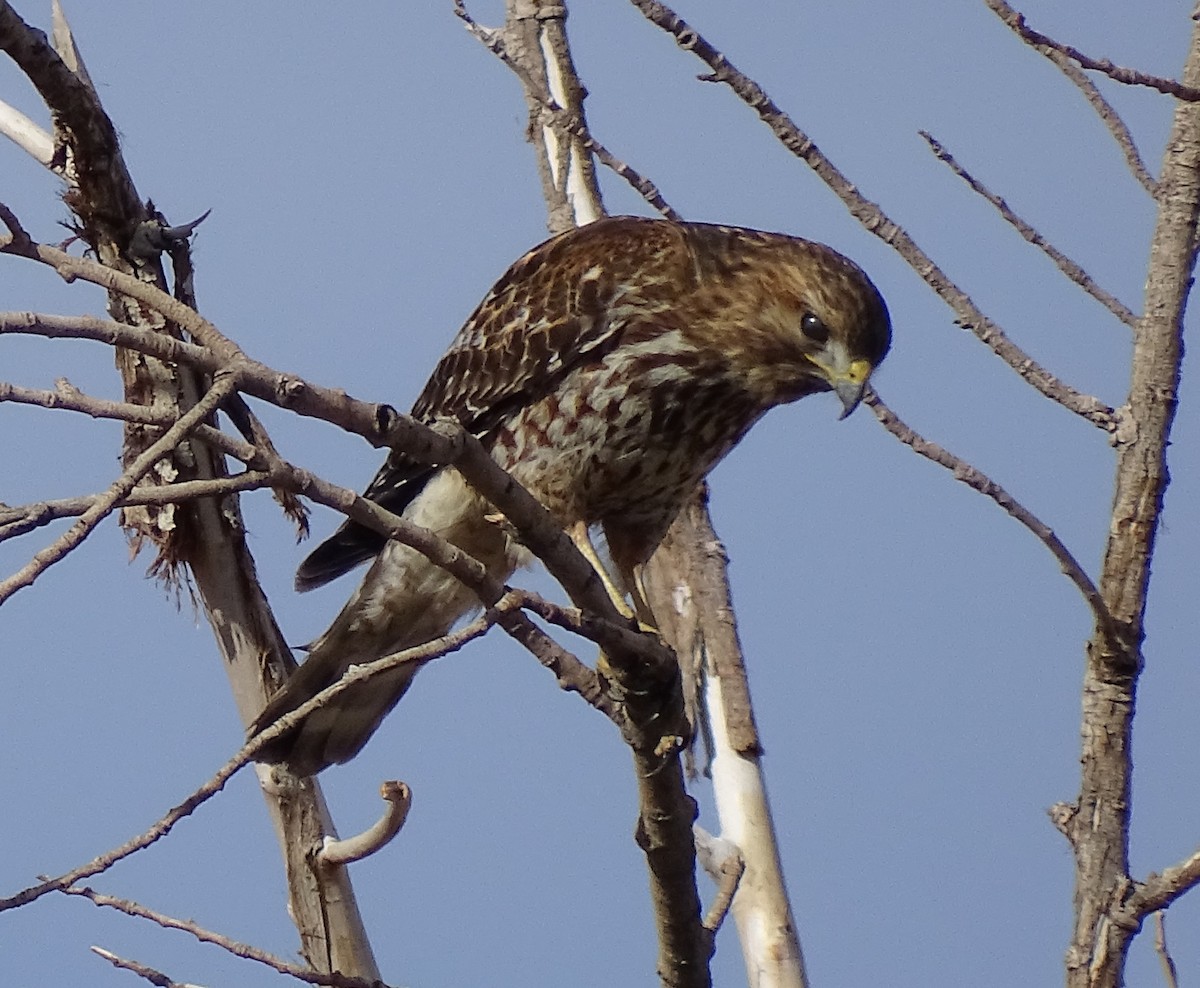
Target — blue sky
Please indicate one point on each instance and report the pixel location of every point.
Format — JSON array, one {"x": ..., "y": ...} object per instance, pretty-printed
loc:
[{"x": 915, "y": 656}]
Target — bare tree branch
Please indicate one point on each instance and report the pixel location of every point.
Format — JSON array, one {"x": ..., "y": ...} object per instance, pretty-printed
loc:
[
  {"x": 24, "y": 518},
  {"x": 107, "y": 502},
  {"x": 1130, "y": 77},
  {"x": 981, "y": 482},
  {"x": 1064, "y": 264},
  {"x": 1159, "y": 891},
  {"x": 66, "y": 396},
  {"x": 243, "y": 950},
  {"x": 1108, "y": 116},
  {"x": 152, "y": 975},
  {"x": 1098, "y": 829},
  {"x": 165, "y": 824}
]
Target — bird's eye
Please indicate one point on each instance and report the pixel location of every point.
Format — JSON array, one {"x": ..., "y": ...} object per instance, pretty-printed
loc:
[{"x": 812, "y": 327}]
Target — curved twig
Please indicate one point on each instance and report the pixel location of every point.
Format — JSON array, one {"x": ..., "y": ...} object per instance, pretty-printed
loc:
[{"x": 398, "y": 798}]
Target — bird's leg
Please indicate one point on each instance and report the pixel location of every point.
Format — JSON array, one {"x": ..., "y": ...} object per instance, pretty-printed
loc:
[
  {"x": 641, "y": 603},
  {"x": 583, "y": 542}
]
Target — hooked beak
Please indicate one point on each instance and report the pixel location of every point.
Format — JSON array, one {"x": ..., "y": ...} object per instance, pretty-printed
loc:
[
  {"x": 850, "y": 393},
  {"x": 847, "y": 378}
]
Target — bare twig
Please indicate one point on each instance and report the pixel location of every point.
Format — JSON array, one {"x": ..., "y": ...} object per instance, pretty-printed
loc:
[
  {"x": 1108, "y": 116},
  {"x": 1130, "y": 77},
  {"x": 68, "y": 397},
  {"x": 981, "y": 482},
  {"x": 106, "y": 503},
  {"x": 874, "y": 219},
  {"x": 1159, "y": 891},
  {"x": 152, "y": 975},
  {"x": 228, "y": 944},
  {"x": 1170, "y": 973},
  {"x": 398, "y": 798},
  {"x": 72, "y": 268},
  {"x": 1064, "y": 264},
  {"x": 725, "y": 865},
  {"x": 25, "y": 518}
]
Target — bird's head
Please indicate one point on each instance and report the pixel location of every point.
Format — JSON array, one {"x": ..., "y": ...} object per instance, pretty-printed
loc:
[
  {"x": 836, "y": 324},
  {"x": 801, "y": 318}
]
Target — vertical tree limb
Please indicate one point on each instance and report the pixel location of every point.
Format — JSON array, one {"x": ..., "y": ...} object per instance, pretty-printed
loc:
[{"x": 1099, "y": 826}]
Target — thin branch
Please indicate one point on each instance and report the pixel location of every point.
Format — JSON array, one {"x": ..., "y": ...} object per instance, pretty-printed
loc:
[
  {"x": 25, "y": 134},
  {"x": 874, "y": 219},
  {"x": 493, "y": 40},
  {"x": 222, "y": 387},
  {"x": 1064, "y": 264},
  {"x": 607, "y": 634},
  {"x": 1170, "y": 972},
  {"x": 25, "y": 518},
  {"x": 1159, "y": 891},
  {"x": 398, "y": 797},
  {"x": 1130, "y": 77},
  {"x": 981, "y": 482},
  {"x": 111, "y": 333},
  {"x": 66, "y": 396},
  {"x": 1108, "y": 116},
  {"x": 155, "y": 977},
  {"x": 243, "y": 950}
]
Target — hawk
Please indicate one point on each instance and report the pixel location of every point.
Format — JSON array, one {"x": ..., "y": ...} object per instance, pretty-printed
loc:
[{"x": 608, "y": 370}]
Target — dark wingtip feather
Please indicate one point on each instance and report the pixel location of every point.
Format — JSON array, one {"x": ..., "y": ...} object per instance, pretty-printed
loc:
[{"x": 349, "y": 546}]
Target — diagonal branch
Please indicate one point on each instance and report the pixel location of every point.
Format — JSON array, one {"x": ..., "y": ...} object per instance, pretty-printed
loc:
[
  {"x": 68, "y": 397},
  {"x": 228, "y": 944},
  {"x": 1130, "y": 77},
  {"x": 25, "y": 518},
  {"x": 981, "y": 482},
  {"x": 222, "y": 387},
  {"x": 874, "y": 219},
  {"x": 1064, "y": 264},
  {"x": 165, "y": 824}
]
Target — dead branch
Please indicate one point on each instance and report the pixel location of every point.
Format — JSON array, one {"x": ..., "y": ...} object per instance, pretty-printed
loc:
[
  {"x": 22, "y": 519},
  {"x": 155, "y": 977},
  {"x": 68, "y": 397},
  {"x": 228, "y": 944},
  {"x": 1098, "y": 830},
  {"x": 107, "y": 502},
  {"x": 398, "y": 797},
  {"x": 981, "y": 482},
  {"x": 493, "y": 40},
  {"x": 1130, "y": 77},
  {"x": 1064, "y": 264}
]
